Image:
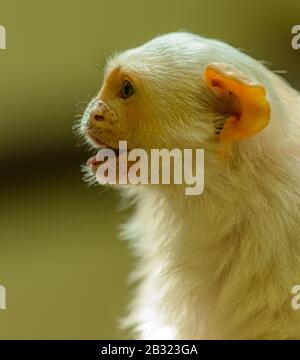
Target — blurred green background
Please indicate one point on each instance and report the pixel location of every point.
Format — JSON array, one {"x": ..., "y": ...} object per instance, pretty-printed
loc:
[{"x": 63, "y": 266}]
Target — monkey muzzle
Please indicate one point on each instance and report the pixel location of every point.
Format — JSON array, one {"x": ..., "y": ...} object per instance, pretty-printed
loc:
[{"x": 100, "y": 119}]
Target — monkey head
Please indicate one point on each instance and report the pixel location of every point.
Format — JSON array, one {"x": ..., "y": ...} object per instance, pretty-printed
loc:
[{"x": 178, "y": 91}]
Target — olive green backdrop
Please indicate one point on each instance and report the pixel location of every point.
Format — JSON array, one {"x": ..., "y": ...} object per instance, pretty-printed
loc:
[{"x": 61, "y": 262}]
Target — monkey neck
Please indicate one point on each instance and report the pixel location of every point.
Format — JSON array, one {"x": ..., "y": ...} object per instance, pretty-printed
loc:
[{"x": 217, "y": 245}]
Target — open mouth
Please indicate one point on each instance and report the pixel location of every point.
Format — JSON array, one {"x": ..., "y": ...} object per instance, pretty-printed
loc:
[{"x": 93, "y": 162}]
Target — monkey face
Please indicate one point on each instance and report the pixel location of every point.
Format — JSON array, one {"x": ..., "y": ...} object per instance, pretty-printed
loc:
[
  {"x": 142, "y": 110},
  {"x": 118, "y": 113},
  {"x": 128, "y": 109}
]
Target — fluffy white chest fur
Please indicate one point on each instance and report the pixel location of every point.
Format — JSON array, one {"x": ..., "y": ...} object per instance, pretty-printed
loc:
[{"x": 220, "y": 265}]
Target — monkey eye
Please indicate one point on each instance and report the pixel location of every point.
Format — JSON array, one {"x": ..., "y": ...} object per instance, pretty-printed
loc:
[{"x": 127, "y": 90}]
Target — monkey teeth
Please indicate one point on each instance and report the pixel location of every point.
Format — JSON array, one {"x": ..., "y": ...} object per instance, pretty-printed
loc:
[{"x": 94, "y": 162}]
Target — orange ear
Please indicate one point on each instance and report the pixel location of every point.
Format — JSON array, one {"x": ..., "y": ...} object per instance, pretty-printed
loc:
[{"x": 254, "y": 111}]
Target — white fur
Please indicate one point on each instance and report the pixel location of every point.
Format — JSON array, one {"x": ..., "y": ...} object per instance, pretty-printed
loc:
[{"x": 220, "y": 265}]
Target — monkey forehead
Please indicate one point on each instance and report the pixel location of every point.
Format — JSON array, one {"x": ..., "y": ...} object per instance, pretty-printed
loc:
[
  {"x": 171, "y": 50},
  {"x": 178, "y": 55},
  {"x": 159, "y": 59}
]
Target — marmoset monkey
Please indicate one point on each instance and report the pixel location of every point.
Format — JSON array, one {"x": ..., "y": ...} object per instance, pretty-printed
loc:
[{"x": 220, "y": 265}]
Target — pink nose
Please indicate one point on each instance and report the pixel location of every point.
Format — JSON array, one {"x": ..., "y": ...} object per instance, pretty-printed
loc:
[{"x": 98, "y": 111}]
